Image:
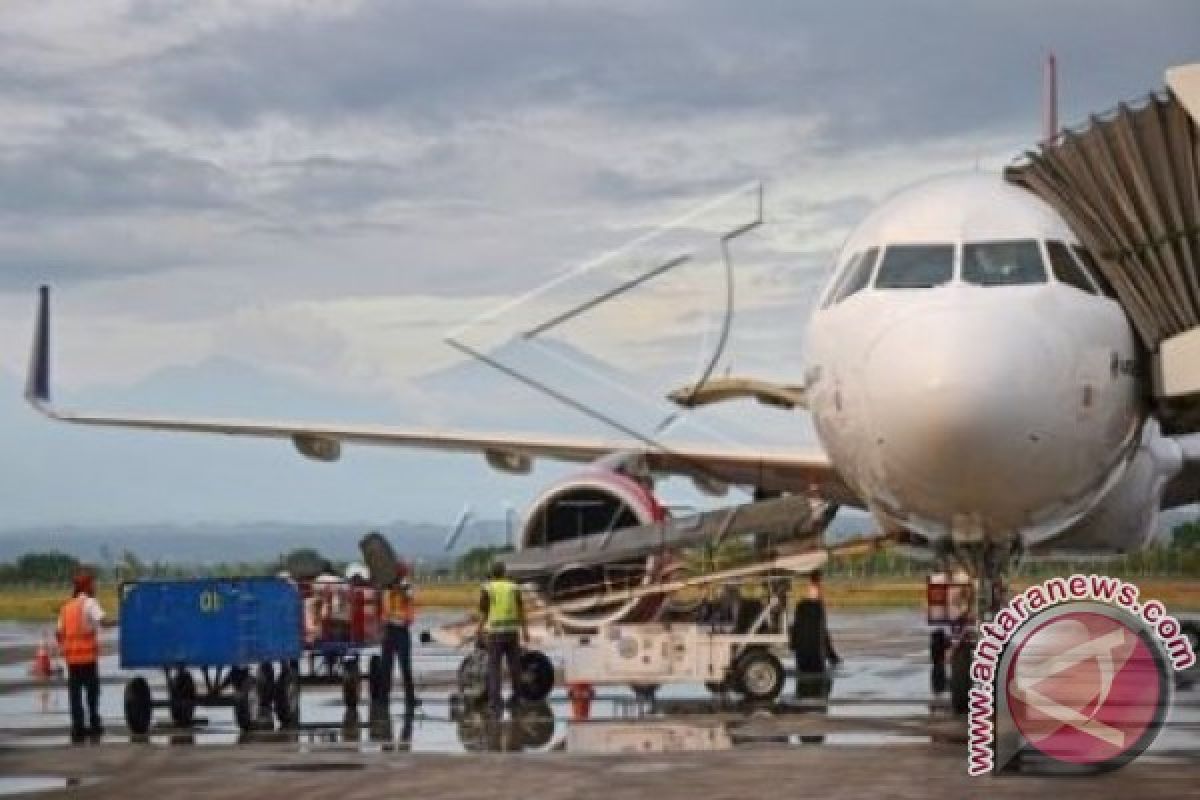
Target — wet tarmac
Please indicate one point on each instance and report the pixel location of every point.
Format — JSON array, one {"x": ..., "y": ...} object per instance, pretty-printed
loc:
[{"x": 878, "y": 721}]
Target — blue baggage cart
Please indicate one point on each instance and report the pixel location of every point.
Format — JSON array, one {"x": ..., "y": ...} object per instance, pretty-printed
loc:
[{"x": 242, "y": 635}]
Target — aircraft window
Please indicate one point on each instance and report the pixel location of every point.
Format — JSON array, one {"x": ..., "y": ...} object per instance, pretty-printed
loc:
[
  {"x": 1003, "y": 263},
  {"x": 915, "y": 266},
  {"x": 1066, "y": 269},
  {"x": 857, "y": 275}
]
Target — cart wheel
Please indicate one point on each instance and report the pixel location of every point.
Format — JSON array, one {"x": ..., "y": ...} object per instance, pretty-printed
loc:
[
  {"x": 139, "y": 705},
  {"x": 537, "y": 676},
  {"x": 181, "y": 697},
  {"x": 351, "y": 683},
  {"x": 377, "y": 688},
  {"x": 247, "y": 704},
  {"x": 266, "y": 686},
  {"x": 287, "y": 697},
  {"x": 759, "y": 676}
]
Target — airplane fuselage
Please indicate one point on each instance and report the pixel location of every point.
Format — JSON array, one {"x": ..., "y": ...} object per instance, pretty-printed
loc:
[{"x": 976, "y": 384}]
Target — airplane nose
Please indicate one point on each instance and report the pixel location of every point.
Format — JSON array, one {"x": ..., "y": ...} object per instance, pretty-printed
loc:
[{"x": 957, "y": 405}]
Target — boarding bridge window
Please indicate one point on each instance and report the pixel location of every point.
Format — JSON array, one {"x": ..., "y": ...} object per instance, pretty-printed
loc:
[
  {"x": 855, "y": 276},
  {"x": 1011, "y": 263},
  {"x": 1066, "y": 269},
  {"x": 915, "y": 266}
]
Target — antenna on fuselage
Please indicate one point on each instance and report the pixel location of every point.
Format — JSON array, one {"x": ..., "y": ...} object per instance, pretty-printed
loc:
[{"x": 1049, "y": 98}]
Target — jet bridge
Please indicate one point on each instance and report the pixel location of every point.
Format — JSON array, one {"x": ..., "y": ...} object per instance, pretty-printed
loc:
[{"x": 1128, "y": 184}]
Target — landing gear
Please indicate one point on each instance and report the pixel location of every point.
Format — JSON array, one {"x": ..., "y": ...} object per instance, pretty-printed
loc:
[{"x": 958, "y": 601}]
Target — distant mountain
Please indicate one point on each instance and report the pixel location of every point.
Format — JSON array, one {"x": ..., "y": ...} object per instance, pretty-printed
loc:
[{"x": 262, "y": 541}]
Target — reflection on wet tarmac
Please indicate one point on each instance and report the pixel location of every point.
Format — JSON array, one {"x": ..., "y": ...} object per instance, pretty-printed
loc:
[{"x": 871, "y": 701}]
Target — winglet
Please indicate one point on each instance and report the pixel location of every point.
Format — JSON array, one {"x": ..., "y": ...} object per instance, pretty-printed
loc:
[{"x": 37, "y": 385}]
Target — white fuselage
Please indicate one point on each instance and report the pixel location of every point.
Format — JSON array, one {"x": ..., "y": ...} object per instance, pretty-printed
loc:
[{"x": 966, "y": 410}]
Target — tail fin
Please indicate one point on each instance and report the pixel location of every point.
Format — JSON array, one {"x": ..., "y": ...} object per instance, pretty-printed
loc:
[{"x": 37, "y": 384}]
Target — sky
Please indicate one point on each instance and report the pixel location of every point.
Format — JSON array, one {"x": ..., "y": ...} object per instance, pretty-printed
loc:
[{"x": 284, "y": 207}]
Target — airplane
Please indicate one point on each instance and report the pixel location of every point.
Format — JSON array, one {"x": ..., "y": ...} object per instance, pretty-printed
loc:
[{"x": 973, "y": 381}]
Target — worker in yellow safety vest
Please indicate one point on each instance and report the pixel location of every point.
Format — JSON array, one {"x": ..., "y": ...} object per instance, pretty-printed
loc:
[
  {"x": 399, "y": 613},
  {"x": 78, "y": 623},
  {"x": 502, "y": 621}
]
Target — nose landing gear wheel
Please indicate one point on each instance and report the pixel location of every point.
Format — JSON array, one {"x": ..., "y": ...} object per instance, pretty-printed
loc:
[{"x": 960, "y": 674}]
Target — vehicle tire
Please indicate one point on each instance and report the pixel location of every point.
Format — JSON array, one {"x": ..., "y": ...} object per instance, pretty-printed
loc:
[
  {"x": 351, "y": 683},
  {"x": 537, "y": 676},
  {"x": 181, "y": 698},
  {"x": 377, "y": 688},
  {"x": 139, "y": 706},
  {"x": 286, "y": 698},
  {"x": 960, "y": 675},
  {"x": 759, "y": 676},
  {"x": 266, "y": 686},
  {"x": 247, "y": 704},
  {"x": 472, "y": 677}
]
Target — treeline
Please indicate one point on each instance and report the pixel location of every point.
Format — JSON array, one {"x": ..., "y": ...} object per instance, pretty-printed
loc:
[
  {"x": 1180, "y": 558},
  {"x": 57, "y": 568}
]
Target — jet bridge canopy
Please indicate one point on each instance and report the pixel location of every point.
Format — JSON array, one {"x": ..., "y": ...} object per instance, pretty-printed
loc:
[{"x": 1128, "y": 184}]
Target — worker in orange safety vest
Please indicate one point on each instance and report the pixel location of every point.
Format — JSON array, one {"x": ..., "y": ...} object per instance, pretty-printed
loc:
[
  {"x": 399, "y": 613},
  {"x": 78, "y": 625}
]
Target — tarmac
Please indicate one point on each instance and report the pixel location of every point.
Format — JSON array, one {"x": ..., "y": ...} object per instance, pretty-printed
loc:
[{"x": 880, "y": 733}]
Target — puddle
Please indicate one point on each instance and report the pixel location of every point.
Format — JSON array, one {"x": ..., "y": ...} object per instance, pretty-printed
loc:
[{"x": 28, "y": 784}]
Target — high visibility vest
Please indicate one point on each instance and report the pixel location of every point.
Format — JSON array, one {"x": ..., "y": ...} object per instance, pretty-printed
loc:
[
  {"x": 398, "y": 607},
  {"x": 503, "y": 599},
  {"x": 79, "y": 642}
]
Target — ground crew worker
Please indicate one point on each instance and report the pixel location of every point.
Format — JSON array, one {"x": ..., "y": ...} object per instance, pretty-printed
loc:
[
  {"x": 811, "y": 643},
  {"x": 502, "y": 619},
  {"x": 399, "y": 612},
  {"x": 78, "y": 623}
]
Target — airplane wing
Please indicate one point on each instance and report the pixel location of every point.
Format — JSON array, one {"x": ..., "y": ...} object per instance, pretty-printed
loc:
[{"x": 711, "y": 468}]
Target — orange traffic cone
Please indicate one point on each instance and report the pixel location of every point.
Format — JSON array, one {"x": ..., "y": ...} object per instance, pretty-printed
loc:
[
  {"x": 581, "y": 696},
  {"x": 41, "y": 667}
]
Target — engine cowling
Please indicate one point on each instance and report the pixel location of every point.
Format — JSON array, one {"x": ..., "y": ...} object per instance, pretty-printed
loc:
[{"x": 591, "y": 504}]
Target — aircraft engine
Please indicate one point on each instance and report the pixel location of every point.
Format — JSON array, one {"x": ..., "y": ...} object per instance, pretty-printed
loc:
[{"x": 591, "y": 504}]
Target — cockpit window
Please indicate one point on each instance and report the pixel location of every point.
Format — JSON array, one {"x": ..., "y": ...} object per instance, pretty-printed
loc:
[
  {"x": 1009, "y": 263},
  {"x": 1066, "y": 269},
  {"x": 1093, "y": 269},
  {"x": 856, "y": 275},
  {"x": 915, "y": 266}
]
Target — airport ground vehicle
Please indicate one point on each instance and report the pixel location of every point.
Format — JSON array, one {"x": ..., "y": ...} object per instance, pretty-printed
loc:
[
  {"x": 745, "y": 659},
  {"x": 242, "y": 635},
  {"x": 342, "y": 621}
]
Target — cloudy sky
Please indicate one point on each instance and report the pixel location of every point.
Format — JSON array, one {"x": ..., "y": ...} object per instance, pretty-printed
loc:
[{"x": 321, "y": 191}]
